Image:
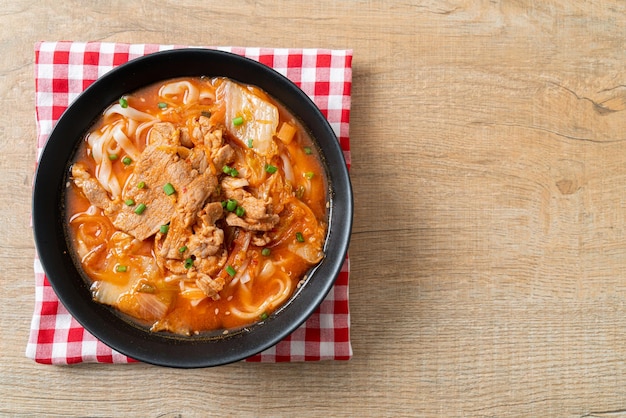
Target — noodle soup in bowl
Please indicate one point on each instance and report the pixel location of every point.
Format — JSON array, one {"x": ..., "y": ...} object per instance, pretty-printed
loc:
[{"x": 192, "y": 208}]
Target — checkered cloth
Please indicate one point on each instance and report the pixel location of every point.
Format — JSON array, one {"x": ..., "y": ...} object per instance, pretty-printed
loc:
[{"x": 64, "y": 69}]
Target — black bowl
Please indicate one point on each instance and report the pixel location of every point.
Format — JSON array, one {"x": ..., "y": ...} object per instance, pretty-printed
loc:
[{"x": 65, "y": 275}]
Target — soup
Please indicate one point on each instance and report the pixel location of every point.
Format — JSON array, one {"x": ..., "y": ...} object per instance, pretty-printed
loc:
[{"x": 196, "y": 204}]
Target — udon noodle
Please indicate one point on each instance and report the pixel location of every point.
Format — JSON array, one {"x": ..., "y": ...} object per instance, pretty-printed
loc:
[{"x": 196, "y": 204}]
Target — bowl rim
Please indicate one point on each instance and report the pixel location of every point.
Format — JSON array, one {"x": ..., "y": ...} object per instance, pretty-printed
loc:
[{"x": 48, "y": 220}]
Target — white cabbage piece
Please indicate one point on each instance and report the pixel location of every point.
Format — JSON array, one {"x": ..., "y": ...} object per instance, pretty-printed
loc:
[{"x": 260, "y": 118}]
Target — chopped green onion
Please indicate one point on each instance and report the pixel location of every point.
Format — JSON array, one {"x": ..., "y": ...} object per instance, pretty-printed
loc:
[
  {"x": 231, "y": 205},
  {"x": 141, "y": 185},
  {"x": 169, "y": 189},
  {"x": 307, "y": 150},
  {"x": 299, "y": 237},
  {"x": 123, "y": 103},
  {"x": 120, "y": 268},
  {"x": 189, "y": 263},
  {"x": 270, "y": 168},
  {"x": 182, "y": 249},
  {"x": 300, "y": 192},
  {"x": 112, "y": 157},
  {"x": 231, "y": 271},
  {"x": 162, "y": 105},
  {"x": 129, "y": 202},
  {"x": 266, "y": 252},
  {"x": 140, "y": 208},
  {"x": 309, "y": 175},
  {"x": 206, "y": 114},
  {"x": 240, "y": 211},
  {"x": 263, "y": 316},
  {"x": 164, "y": 228},
  {"x": 127, "y": 160},
  {"x": 231, "y": 171},
  {"x": 249, "y": 143},
  {"x": 238, "y": 121}
]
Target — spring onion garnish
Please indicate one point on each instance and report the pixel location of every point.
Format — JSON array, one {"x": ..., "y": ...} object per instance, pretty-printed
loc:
[
  {"x": 206, "y": 114},
  {"x": 123, "y": 103},
  {"x": 164, "y": 228},
  {"x": 266, "y": 252},
  {"x": 231, "y": 205},
  {"x": 307, "y": 150},
  {"x": 240, "y": 211},
  {"x": 238, "y": 121},
  {"x": 112, "y": 157},
  {"x": 127, "y": 160},
  {"x": 182, "y": 249},
  {"x": 169, "y": 189},
  {"x": 263, "y": 316},
  {"x": 120, "y": 268},
  {"x": 162, "y": 105},
  {"x": 309, "y": 175},
  {"x": 188, "y": 263},
  {"x": 249, "y": 143},
  {"x": 140, "y": 208},
  {"x": 231, "y": 171},
  {"x": 299, "y": 237},
  {"x": 231, "y": 271},
  {"x": 141, "y": 185},
  {"x": 129, "y": 202},
  {"x": 270, "y": 168}
]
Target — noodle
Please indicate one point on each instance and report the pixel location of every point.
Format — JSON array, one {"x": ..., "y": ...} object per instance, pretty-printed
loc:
[{"x": 186, "y": 211}]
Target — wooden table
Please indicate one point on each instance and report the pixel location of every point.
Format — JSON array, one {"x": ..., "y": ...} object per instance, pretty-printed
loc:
[{"x": 489, "y": 172}]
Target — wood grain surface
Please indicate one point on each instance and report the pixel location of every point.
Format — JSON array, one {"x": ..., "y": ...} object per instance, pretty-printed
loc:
[{"x": 489, "y": 172}]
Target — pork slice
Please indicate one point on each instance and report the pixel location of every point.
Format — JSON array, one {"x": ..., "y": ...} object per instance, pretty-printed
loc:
[
  {"x": 164, "y": 133},
  {"x": 156, "y": 167},
  {"x": 207, "y": 239},
  {"x": 92, "y": 189},
  {"x": 233, "y": 187},
  {"x": 193, "y": 197},
  {"x": 265, "y": 223},
  {"x": 205, "y": 134},
  {"x": 222, "y": 156},
  {"x": 258, "y": 215},
  {"x": 185, "y": 138},
  {"x": 186, "y": 213},
  {"x": 198, "y": 159}
]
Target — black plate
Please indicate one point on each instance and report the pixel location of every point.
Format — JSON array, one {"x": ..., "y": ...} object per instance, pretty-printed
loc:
[{"x": 49, "y": 217}]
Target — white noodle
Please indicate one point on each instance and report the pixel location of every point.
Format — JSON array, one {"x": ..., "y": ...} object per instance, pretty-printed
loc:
[
  {"x": 143, "y": 126},
  {"x": 125, "y": 142},
  {"x": 129, "y": 112},
  {"x": 252, "y": 312},
  {"x": 101, "y": 143},
  {"x": 132, "y": 126},
  {"x": 189, "y": 91},
  {"x": 109, "y": 147},
  {"x": 91, "y": 211}
]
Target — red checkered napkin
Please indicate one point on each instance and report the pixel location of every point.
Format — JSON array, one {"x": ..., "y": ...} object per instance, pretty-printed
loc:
[{"x": 64, "y": 69}]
